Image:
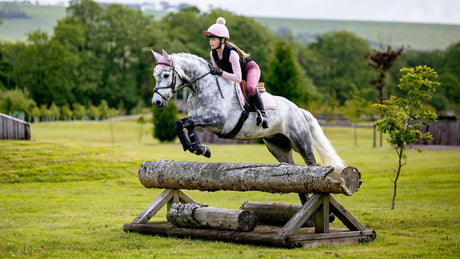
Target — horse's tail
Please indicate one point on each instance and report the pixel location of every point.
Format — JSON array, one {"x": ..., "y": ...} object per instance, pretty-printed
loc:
[{"x": 321, "y": 144}]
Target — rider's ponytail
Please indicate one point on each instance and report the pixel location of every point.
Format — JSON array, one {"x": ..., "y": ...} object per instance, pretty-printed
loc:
[{"x": 240, "y": 51}]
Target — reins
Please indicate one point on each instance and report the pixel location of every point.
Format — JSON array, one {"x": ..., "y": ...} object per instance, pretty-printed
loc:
[{"x": 183, "y": 82}]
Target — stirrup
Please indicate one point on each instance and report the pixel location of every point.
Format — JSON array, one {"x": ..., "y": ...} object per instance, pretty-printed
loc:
[{"x": 261, "y": 120}]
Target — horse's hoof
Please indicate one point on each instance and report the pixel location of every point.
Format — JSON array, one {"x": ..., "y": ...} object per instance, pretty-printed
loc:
[
  {"x": 331, "y": 217},
  {"x": 264, "y": 124},
  {"x": 207, "y": 152}
]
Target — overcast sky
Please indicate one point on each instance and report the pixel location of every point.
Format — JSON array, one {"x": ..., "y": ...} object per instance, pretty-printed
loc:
[{"x": 420, "y": 11}]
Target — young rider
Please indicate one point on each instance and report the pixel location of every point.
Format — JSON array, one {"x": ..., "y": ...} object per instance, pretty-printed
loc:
[{"x": 234, "y": 64}]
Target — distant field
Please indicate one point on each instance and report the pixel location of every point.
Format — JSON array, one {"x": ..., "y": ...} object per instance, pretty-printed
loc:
[
  {"x": 42, "y": 17},
  {"x": 417, "y": 36},
  {"x": 411, "y": 35}
]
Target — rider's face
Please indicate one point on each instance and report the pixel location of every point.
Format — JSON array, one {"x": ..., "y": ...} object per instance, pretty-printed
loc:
[{"x": 214, "y": 42}]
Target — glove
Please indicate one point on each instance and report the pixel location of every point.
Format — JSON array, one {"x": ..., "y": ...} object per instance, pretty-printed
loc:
[{"x": 216, "y": 71}]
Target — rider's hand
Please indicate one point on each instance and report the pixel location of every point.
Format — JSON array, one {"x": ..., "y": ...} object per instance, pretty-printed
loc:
[{"x": 216, "y": 71}]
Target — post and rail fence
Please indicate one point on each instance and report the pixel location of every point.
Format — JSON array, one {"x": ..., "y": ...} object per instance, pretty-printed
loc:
[{"x": 12, "y": 128}]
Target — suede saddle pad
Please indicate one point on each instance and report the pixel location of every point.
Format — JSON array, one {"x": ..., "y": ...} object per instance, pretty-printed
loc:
[{"x": 243, "y": 95}]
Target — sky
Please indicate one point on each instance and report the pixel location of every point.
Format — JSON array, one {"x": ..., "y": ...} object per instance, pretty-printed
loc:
[{"x": 417, "y": 11}]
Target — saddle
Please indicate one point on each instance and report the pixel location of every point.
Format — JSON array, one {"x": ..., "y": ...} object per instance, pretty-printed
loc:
[
  {"x": 242, "y": 92},
  {"x": 243, "y": 96}
]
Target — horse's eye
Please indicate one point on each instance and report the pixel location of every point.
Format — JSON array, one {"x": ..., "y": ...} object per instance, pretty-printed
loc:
[{"x": 165, "y": 76}]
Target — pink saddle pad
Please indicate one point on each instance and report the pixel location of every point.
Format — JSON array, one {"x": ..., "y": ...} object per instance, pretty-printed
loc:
[{"x": 269, "y": 100}]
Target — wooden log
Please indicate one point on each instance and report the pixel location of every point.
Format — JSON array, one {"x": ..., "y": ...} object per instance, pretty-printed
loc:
[
  {"x": 197, "y": 215},
  {"x": 266, "y": 177},
  {"x": 275, "y": 214}
]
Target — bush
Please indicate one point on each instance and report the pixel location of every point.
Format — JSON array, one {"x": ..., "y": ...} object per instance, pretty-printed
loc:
[{"x": 163, "y": 123}]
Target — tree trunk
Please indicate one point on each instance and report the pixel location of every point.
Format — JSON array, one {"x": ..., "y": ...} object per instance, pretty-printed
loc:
[
  {"x": 275, "y": 214},
  {"x": 197, "y": 215},
  {"x": 266, "y": 177}
]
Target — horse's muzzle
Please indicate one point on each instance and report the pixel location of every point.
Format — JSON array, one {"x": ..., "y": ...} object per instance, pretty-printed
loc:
[{"x": 159, "y": 102}]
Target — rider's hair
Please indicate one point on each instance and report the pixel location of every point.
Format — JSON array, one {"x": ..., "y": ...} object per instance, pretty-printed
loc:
[{"x": 240, "y": 51}]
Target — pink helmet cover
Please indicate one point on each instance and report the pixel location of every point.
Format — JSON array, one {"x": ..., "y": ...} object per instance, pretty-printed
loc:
[
  {"x": 163, "y": 60},
  {"x": 218, "y": 29}
]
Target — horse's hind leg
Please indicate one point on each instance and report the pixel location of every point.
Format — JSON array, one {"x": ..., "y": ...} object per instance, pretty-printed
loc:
[{"x": 280, "y": 148}]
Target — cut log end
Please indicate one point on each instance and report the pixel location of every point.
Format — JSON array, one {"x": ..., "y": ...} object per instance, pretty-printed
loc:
[
  {"x": 350, "y": 180},
  {"x": 247, "y": 221}
]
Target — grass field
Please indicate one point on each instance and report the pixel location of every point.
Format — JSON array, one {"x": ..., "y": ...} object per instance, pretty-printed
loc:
[
  {"x": 410, "y": 35},
  {"x": 68, "y": 192}
]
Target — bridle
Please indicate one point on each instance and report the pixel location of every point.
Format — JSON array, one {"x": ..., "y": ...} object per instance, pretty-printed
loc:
[{"x": 183, "y": 84}]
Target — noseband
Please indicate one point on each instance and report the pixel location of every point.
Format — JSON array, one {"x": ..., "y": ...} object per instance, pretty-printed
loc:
[{"x": 183, "y": 84}]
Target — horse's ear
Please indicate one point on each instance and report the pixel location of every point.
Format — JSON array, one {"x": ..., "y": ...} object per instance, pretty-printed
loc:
[
  {"x": 157, "y": 56},
  {"x": 165, "y": 55}
]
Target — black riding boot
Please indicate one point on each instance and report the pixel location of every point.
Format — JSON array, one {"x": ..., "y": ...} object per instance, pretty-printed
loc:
[{"x": 259, "y": 104}]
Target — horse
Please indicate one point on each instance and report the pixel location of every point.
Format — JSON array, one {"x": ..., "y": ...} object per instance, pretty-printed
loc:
[{"x": 213, "y": 106}]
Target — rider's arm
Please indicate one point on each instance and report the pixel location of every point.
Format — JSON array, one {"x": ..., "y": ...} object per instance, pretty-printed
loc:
[{"x": 235, "y": 61}]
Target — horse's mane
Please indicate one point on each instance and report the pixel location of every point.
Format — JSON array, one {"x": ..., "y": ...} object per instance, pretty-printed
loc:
[{"x": 188, "y": 58}]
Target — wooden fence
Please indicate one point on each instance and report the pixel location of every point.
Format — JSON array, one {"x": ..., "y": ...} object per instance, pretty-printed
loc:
[
  {"x": 12, "y": 128},
  {"x": 443, "y": 132}
]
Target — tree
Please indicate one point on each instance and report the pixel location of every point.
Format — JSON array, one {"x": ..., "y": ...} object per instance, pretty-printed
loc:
[
  {"x": 163, "y": 123},
  {"x": 381, "y": 61},
  {"x": 403, "y": 117},
  {"x": 338, "y": 63},
  {"x": 283, "y": 76}
]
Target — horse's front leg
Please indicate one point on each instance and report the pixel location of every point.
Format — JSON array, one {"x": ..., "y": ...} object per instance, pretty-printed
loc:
[
  {"x": 179, "y": 127},
  {"x": 196, "y": 146},
  {"x": 192, "y": 143}
]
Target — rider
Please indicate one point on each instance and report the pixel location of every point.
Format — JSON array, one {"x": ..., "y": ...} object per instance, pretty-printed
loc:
[{"x": 234, "y": 64}]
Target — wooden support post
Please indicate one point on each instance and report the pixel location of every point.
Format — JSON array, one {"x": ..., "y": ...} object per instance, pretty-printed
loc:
[
  {"x": 307, "y": 210},
  {"x": 166, "y": 197},
  {"x": 322, "y": 216},
  {"x": 341, "y": 213}
]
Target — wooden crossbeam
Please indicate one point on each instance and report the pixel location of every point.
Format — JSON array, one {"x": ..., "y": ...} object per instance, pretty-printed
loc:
[{"x": 168, "y": 197}]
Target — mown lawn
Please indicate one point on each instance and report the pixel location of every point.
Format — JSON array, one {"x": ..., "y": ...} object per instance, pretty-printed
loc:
[{"x": 68, "y": 192}]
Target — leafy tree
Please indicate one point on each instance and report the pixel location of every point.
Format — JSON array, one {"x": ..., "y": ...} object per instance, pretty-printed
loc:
[
  {"x": 339, "y": 63},
  {"x": 79, "y": 111},
  {"x": 163, "y": 123},
  {"x": 66, "y": 112},
  {"x": 403, "y": 117},
  {"x": 15, "y": 100},
  {"x": 381, "y": 61},
  {"x": 283, "y": 76}
]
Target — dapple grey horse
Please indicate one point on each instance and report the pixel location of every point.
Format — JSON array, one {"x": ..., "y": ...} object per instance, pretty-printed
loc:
[{"x": 213, "y": 106}]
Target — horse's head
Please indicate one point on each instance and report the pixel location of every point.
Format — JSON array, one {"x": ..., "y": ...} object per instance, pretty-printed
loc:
[{"x": 165, "y": 76}]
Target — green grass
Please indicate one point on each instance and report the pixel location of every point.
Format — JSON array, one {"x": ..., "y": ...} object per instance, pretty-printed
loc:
[{"x": 68, "y": 192}]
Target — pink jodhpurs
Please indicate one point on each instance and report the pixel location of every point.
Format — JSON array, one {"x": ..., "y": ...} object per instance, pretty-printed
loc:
[{"x": 252, "y": 76}]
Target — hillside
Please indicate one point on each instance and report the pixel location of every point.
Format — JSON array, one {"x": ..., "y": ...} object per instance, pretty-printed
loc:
[
  {"x": 414, "y": 35},
  {"x": 417, "y": 36},
  {"x": 42, "y": 17}
]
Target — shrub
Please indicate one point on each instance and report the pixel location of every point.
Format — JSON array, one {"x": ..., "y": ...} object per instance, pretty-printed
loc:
[{"x": 163, "y": 123}]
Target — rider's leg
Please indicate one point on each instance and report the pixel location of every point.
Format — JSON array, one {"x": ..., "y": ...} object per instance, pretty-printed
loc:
[{"x": 252, "y": 78}]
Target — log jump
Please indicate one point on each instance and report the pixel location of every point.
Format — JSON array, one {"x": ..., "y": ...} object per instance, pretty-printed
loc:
[
  {"x": 265, "y": 177},
  {"x": 266, "y": 223}
]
